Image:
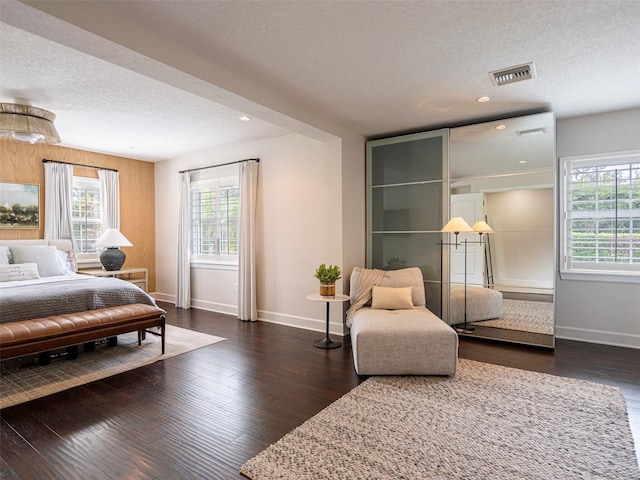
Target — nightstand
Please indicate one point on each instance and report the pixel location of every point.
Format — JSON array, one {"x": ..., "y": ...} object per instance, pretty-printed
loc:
[{"x": 137, "y": 276}]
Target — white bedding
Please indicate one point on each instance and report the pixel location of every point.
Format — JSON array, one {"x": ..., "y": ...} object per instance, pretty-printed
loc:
[
  {"x": 66, "y": 294},
  {"x": 41, "y": 280},
  {"x": 53, "y": 294}
]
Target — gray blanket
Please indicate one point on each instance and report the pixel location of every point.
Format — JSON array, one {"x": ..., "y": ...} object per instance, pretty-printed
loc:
[{"x": 57, "y": 298}]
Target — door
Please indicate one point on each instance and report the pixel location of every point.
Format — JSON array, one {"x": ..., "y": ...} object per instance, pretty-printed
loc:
[
  {"x": 469, "y": 206},
  {"x": 406, "y": 204}
]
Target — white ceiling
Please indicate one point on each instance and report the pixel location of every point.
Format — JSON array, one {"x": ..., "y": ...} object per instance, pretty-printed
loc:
[{"x": 159, "y": 79}]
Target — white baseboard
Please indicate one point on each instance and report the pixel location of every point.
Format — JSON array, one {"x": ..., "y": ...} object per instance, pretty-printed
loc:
[
  {"x": 263, "y": 316},
  {"x": 199, "y": 304},
  {"x": 163, "y": 297},
  {"x": 509, "y": 284},
  {"x": 215, "y": 307},
  {"x": 531, "y": 290},
  {"x": 301, "y": 322},
  {"x": 598, "y": 336}
]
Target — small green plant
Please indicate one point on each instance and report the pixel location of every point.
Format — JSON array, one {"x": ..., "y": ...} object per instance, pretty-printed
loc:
[{"x": 329, "y": 273}]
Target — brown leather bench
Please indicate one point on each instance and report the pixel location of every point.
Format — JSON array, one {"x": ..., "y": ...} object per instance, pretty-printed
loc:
[{"x": 44, "y": 334}]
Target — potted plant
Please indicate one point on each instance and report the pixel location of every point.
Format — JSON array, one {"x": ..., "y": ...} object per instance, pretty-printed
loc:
[{"x": 328, "y": 274}]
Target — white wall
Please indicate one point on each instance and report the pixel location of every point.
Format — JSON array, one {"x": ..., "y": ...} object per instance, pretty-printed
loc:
[
  {"x": 300, "y": 222},
  {"x": 353, "y": 205},
  {"x": 522, "y": 248},
  {"x": 598, "y": 312}
]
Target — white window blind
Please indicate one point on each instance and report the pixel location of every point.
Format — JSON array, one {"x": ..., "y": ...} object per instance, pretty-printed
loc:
[
  {"x": 214, "y": 220},
  {"x": 601, "y": 222}
]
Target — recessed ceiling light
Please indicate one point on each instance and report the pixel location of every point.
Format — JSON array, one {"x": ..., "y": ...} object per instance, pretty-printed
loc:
[
  {"x": 245, "y": 118},
  {"x": 483, "y": 99},
  {"x": 501, "y": 127},
  {"x": 522, "y": 162}
]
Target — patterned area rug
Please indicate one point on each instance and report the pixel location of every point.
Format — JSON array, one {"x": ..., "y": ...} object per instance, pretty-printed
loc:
[
  {"x": 488, "y": 422},
  {"x": 23, "y": 379},
  {"x": 523, "y": 315}
]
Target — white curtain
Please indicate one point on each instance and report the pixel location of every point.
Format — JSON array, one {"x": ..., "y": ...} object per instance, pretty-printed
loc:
[
  {"x": 58, "y": 192},
  {"x": 110, "y": 195},
  {"x": 183, "y": 294},
  {"x": 247, "y": 308}
]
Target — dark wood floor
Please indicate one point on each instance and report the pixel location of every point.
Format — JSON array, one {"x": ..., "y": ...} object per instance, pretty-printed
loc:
[{"x": 204, "y": 413}]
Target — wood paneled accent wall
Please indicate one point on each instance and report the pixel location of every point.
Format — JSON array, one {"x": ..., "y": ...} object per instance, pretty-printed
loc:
[{"x": 22, "y": 163}]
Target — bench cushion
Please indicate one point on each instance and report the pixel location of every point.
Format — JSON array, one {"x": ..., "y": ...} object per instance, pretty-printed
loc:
[{"x": 31, "y": 336}]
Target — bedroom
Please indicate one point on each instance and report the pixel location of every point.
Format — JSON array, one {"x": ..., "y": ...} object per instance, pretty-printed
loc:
[{"x": 328, "y": 166}]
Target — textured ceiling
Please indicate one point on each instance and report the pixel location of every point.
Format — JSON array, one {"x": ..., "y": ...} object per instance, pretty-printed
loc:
[
  {"x": 374, "y": 67},
  {"x": 102, "y": 107}
]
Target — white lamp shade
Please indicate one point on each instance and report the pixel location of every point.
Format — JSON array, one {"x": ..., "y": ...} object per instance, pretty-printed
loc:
[
  {"x": 456, "y": 225},
  {"x": 113, "y": 238},
  {"x": 482, "y": 227}
]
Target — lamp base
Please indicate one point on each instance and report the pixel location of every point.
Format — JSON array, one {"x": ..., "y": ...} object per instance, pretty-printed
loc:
[{"x": 112, "y": 258}]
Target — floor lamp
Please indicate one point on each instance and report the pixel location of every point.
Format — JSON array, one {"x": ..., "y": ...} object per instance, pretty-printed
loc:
[{"x": 455, "y": 226}]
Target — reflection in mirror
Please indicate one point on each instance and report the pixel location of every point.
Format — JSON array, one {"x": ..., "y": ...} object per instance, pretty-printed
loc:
[{"x": 503, "y": 172}]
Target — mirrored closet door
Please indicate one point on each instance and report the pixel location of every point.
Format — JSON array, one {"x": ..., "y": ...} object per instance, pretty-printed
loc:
[{"x": 502, "y": 172}]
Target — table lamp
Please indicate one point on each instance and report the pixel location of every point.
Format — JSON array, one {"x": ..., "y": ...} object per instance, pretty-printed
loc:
[{"x": 112, "y": 258}]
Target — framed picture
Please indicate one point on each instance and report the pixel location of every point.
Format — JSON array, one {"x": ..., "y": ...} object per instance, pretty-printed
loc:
[{"x": 19, "y": 205}]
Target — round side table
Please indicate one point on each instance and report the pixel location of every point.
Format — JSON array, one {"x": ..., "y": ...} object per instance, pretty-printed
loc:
[{"x": 326, "y": 342}]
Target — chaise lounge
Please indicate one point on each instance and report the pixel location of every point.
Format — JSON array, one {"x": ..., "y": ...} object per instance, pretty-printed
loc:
[{"x": 392, "y": 331}]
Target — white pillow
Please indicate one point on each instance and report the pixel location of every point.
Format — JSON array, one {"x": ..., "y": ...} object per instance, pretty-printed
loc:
[
  {"x": 44, "y": 256},
  {"x": 5, "y": 255},
  {"x": 64, "y": 261},
  {"x": 71, "y": 258},
  {"x": 391, "y": 298},
  {"x": 18, "y": 271}
]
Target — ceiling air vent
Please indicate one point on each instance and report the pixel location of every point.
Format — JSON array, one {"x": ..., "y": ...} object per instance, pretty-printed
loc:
[
  {"x": 532, "y": 131},
  {"x": 513, "y": 74}
]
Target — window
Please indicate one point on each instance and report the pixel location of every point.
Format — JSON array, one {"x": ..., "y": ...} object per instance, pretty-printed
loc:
[
  {"x": 214, "y": 220},
  {"x": 86, "y": 215},
  {"x": 601, "y": 227}
]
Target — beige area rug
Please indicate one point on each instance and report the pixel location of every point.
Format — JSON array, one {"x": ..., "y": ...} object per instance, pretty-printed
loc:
[
  {"x": 523, "y": 315},
  {"x": 23, "y": 379},
  {"x": 488, "y": 422}
]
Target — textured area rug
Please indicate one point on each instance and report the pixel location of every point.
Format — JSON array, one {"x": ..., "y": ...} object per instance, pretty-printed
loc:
[
  {"x": 523, "y": 315},
  {"x": 23, "y": 379},
  {"x": 487, "y": 422}
]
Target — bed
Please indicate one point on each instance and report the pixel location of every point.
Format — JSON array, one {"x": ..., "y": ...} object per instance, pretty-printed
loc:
[
  {"x": 44, "y": 301},
  {"x": 49, "y": 289}
]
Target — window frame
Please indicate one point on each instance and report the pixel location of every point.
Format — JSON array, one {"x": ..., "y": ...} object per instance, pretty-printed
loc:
[
  {"x": 592, "y": 271},
  {"x": 214, "y": 261},
  {"x": 90, "y": 257}
]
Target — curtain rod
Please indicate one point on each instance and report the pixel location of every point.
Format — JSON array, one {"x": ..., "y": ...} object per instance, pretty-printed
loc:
[
  {"x": 44, "y": 160},
  {"x": 221, "y": 165}
]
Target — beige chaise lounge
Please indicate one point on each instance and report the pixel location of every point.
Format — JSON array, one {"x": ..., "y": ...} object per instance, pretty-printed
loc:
[
  {"x": 481, "y": 304},
  {"x": 399, "y": 341}
]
